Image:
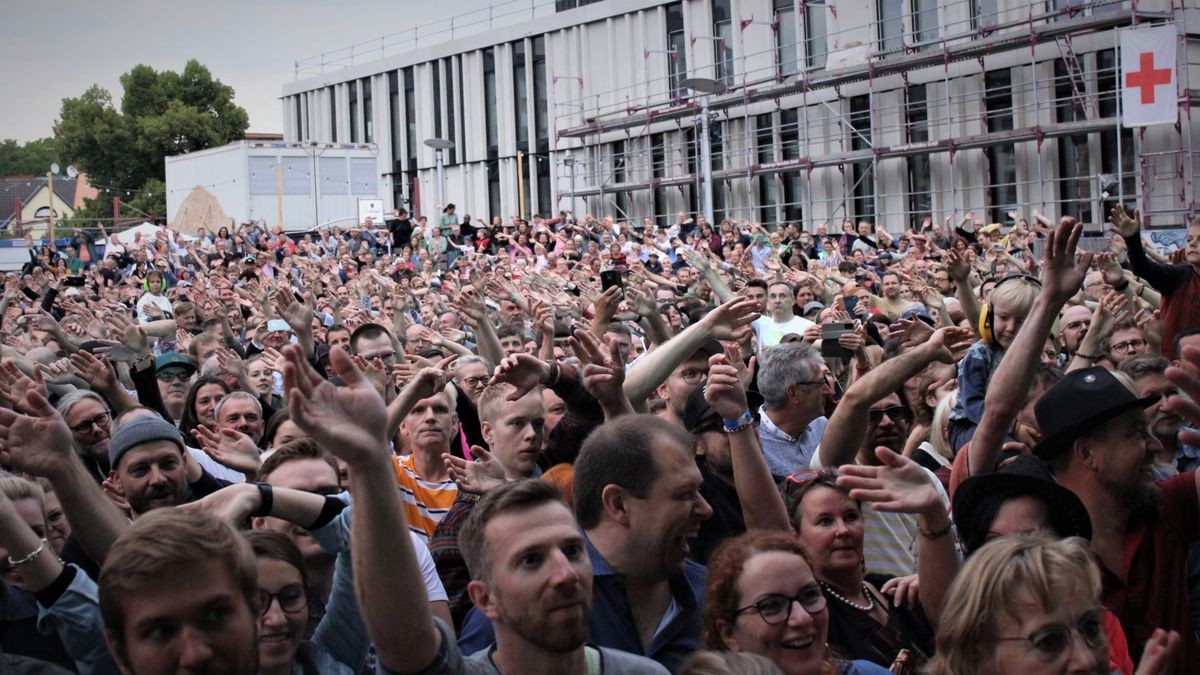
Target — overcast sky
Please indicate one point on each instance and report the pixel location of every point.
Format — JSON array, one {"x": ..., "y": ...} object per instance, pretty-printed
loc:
[{"x": 55, "y": 50}]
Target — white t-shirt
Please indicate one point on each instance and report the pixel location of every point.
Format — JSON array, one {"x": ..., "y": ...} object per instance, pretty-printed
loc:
[{"x": 770, "y": 332}]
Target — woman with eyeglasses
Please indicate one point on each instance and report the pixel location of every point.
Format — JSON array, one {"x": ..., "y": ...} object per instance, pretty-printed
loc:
[
  {"x": 763, "y": 598},
  {"x": 1031, "y": 605},
  {"x": 339, "y": 643}
]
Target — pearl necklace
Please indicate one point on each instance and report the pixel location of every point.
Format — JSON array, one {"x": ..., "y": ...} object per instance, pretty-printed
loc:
[{"x": 870, "y": 606}]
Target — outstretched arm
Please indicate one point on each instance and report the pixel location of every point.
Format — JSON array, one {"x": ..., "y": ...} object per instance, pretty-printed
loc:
[{"x": 350, "y": 422}]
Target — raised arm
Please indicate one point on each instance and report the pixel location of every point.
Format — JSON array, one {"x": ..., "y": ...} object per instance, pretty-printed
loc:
[
  {"x": 350, "y": 422},
  {"x": 847, "y": 428},
  {"x": 1009, "y": 386}
]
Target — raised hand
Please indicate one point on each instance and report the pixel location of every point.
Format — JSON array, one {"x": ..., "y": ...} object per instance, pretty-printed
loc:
[
  {"x": 724, "y": 390},
  {"x": 15, "y": 384},
  {"x": 896, "y": 485},
  {"x": 951, "y": 343},
  {"x": 94, "y": 370},
  {"x": 1186, "y": 403},
  {"x": 523, "y": 372},
  {"x": 958, "y": 266},
  {"x": 1061, "y": 274},
  {"x": 478, "y": 477},
  {"x": 349, "y": 421},
  {"x": 232, "y": 504},
  {"x": 230, "y": 448},
  {"x": 729, "y": 316},
  {"x": 605, "y": 305},
  {"x": 1124, "y": 224},
  {"x": 603, "y": 371},
  {"x": 132, "y": 336},
  {"x": 38, "y": 442}
]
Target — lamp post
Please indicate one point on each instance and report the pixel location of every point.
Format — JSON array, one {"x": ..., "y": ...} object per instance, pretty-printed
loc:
[
  {"x": 569, "y": 160},
  {"x": 707, "y": 87},
  {"x": 440, "y": 145}
]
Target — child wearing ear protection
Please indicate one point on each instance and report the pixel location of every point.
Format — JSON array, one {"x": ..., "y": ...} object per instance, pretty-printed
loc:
[
  {"x": 1000, "y": 319},
  {"x": 155, "y": 287}
]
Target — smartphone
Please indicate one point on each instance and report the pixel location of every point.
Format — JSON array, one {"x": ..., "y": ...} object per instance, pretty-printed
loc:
[
  {"x": 609, "y": 279},
  {"x": 75, "y": 281},
  {"x": 851, "y": 303},
  {"x": 830, "y": 333}
]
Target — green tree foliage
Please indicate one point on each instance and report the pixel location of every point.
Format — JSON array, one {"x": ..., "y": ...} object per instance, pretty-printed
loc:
[
  {"x": 31, "y": 159},
  {"x": 160, "y": 114}
]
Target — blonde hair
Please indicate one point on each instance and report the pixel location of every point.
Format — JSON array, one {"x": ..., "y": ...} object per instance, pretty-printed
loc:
[
  {"x": 941, "y": 421},
  {"x": 728, "y": 663},
  {"x": 16, "y": 488},
  {"x": 1014, "y": 295},
  {"x": 995, "y": 581}
]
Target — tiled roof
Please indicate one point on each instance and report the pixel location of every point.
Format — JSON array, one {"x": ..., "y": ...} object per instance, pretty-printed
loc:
[{"x": 24, "y": 187}]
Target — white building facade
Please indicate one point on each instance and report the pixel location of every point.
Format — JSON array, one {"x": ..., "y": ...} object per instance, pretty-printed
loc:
[{"x": 883, "y": 110}]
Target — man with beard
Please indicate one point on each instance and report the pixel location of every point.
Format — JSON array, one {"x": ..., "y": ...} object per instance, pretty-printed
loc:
[
  {"x": 88, "y": 416},
  {"x": 1097, "y": 441},
  {"x": 1148, "y": 374},
  {"x": 1073, "y": 327},
  {"x": 530, "y": 565},
  {"x": 871, "y": 414},
  {"x": 148, "y": 462}
]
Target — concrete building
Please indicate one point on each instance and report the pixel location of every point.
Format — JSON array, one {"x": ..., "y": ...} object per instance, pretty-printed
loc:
[{"x": 886, "y": 110}]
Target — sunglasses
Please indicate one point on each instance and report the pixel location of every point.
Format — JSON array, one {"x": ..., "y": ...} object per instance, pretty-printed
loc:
[
  {"x": 897, "y": 413},
  {"x": 173, "y": 375}
]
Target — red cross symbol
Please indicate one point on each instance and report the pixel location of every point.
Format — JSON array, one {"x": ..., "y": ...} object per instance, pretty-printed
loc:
[{"x": 1147, "y": 77}]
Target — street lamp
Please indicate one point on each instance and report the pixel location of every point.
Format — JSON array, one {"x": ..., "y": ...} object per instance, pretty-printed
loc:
[
  {"x": 569, "y": 160},
  {"x": 708, "y": 87},
  {"x": 440, "y": 145}
]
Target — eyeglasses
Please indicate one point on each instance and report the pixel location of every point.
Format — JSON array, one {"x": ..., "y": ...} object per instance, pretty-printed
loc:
[
  {"x": 292, "y": 598},
  {"x": 476, "y": 381},
  {"x": 85, "y": 426},
  {"x": 173, "y": 375},
  {"x": 777, "y": 609},
  {"x": 1050, "y": 642},
  {"x": 1128, "y": 346},
  {"x": 897, "y": 413},
  {"x": 1076, "y": 325},
  {"x": 692, "y": 376}
]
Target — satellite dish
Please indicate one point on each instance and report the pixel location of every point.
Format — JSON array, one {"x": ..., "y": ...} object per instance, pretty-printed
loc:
[
  {"x": 72, "y": 172},
  {"x": 54, "y": 169}
]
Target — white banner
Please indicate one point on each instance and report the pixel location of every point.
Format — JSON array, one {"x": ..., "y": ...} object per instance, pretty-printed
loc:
[
  {"x": 1148, "y": 76},
  {"x": 372, "y": 208}
]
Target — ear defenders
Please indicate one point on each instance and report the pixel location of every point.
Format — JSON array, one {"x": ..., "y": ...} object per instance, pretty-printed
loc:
[
  {"x": 987, "y": 316},
  {"x": 162, "y": 284}
]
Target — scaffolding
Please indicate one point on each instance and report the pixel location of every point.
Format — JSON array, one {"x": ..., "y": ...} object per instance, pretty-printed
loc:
[{"x": 800, "y": 119}]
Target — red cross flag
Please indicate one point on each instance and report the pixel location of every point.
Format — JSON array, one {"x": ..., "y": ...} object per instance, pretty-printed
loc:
[{"x": 1148, "y": 80}]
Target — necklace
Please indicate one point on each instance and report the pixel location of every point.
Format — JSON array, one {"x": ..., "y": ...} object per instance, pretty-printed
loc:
[{"x": 870, "y": 606}]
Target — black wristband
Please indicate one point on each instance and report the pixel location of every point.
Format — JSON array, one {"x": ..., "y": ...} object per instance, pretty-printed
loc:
[
  {"x": 267, "y": 497},
  {"x": 332, "y": 509},
  {"x": 1122, "y": 287}
]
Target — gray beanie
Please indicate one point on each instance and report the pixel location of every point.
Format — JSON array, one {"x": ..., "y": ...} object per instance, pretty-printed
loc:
[{"x": 141, "y": 430}]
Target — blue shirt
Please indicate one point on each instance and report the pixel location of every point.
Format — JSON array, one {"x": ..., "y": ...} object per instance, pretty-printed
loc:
[
  {"x": 612, "y": 623},
  {"x": 786, "y": 454}
]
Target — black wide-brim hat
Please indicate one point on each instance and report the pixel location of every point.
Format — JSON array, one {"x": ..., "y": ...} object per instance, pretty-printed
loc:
[
  {"x": 1080, "y": 401},
  {"x": 1025, "y": 476}
]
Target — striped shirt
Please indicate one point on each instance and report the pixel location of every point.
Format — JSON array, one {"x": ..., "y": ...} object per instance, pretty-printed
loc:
[{"x": 425, "y": 503}]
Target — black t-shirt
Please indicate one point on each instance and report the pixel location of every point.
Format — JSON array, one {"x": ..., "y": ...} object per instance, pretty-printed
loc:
[
  {"x": 401, "y": 229},
  {"x": 726, "y": 521}
]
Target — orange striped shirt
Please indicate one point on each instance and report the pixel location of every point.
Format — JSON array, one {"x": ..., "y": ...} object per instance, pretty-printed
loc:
[{"x": 425, "y": 503}]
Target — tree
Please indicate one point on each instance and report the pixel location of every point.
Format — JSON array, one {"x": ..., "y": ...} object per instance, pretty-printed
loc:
[
  {"x": 31, "y": 159},
  {"x": 160, "y": 114}
]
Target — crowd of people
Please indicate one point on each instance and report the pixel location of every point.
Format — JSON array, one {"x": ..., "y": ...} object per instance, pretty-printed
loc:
[{"x": 594, "y": 446}]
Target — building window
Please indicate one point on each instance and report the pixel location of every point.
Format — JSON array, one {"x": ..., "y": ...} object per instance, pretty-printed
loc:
[
  {"x": 723, "y": 48},
  {"x": 785, "y": 37},
  {"x": 716, "y": 145},
  {"x": 861, "y": 172},
  {"x": 985, "y": 14},
  {"x": 396, "y": 127},
  {"x": 1002, "y": 159},
  {"x": 691, "y": 160},
  {"x": 891, "y": 26},
  {"x": 789, "y": 133},
  {"x": 451, "y": 89},
  {"x": 333, "y": 115},
  {"x": 920, "y": 188},
  {"x": 541, "y": 123},
  {"x": 299, "y": 119},
  {"x": 658, "y": 169},
  {"x": 1118, "y": 175},
  {"x": 925, "y": 23},
  {"x": 410, "y": 120},
  {"x": 1073, "y": 170},
  {"x": 520, "y": 95},
  {"x": 489, "y": 103},
  {"x": 493, "y": 178},
  {"x": 677, "y": 43},
  {"x": 767, "y": 192},
  {"x": 368, "y": 114},
  {"x": 437, "y": 98},
  {"x": 618, "y": 158},
  {"x": 816, "y": 44},
  {"x": 353, "y": 86}
]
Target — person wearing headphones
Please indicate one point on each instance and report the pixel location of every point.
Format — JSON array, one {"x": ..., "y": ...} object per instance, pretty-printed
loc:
[
  {"x": 155, "y": 287},
  {"x": 999, "y": 320}
]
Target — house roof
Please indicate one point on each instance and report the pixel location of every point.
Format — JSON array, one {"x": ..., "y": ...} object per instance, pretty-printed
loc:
[{"x": 23, "y": 188}]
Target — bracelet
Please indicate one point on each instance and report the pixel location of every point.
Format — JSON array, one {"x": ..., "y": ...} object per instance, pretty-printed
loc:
[
  {"x": 731, "y": 427},
  {"x": 267, "y": 500},
  {"x": 29, "y": 558},
  {"x": 1087, "y": 357},
  {"x": 936, "y": 534}
]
